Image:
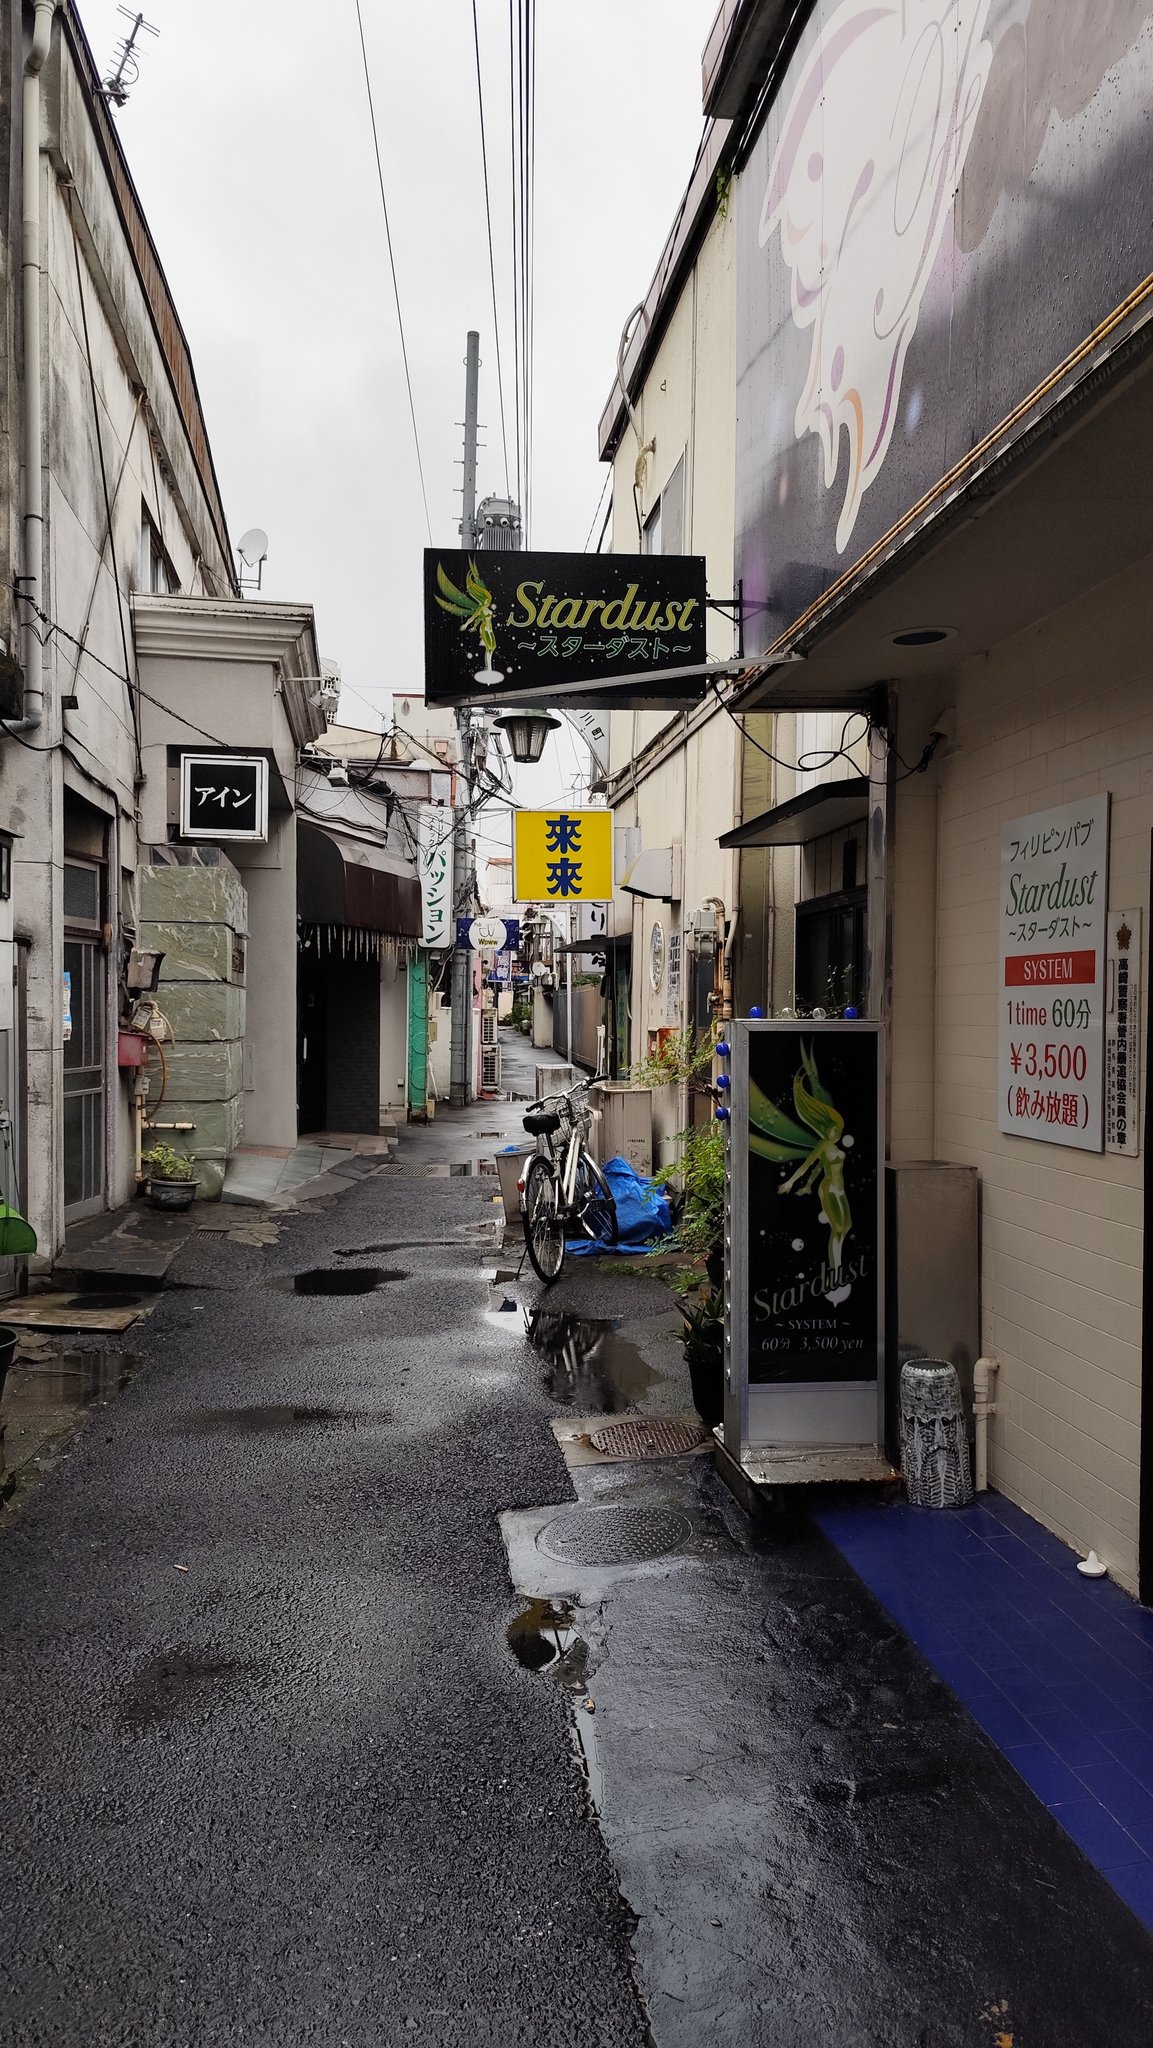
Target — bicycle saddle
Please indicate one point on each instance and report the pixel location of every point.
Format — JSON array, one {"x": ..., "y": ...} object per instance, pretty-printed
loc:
[{"x": 538, "y": 1123}]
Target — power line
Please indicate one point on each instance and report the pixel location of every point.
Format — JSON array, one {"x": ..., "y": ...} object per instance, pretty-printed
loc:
[
  {"x": 392, "y": 267},
  {"x": 597, "y": 513},
  {"x": 491, "y": 258}
]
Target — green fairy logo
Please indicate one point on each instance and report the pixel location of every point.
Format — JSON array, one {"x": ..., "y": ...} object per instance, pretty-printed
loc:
[{"x": 815, "y": 1141}]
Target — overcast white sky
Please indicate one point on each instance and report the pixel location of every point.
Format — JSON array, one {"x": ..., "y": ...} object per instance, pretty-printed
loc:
[{"x": 249, "y": 140}]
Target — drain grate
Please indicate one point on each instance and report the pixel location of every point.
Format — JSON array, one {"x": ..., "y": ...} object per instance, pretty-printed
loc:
[
  {"x": 645, "y": 1439},
  {"x": 613, "y": 1535}
]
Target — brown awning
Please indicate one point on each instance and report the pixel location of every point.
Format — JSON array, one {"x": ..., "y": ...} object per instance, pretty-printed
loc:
[
  {"x": 342, "y": 880},
  {"x": 827, "y": 807}
]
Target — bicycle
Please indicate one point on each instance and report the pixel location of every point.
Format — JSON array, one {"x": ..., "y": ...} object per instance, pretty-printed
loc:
[{"x": 564, "y": 1191}]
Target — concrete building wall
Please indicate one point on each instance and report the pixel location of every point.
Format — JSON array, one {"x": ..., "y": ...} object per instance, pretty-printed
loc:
[
  {"x": 676, "y": 774},
  {"x": 117, "y": 397},
  {"x": 1060, "y": 711}
]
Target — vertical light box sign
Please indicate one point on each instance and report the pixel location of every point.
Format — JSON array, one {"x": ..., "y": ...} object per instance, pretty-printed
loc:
[
  {"x": 434, "y": 866},
  {"x": 1051, "y": 980},
  {"x": 1122, "y": 1042},
  {"x": 805, "y": 1272}
]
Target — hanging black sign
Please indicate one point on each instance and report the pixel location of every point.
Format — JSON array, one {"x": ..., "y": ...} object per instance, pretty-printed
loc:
[
  {"x": 223, "y": 796},
  {"x": 813, "y": 1270},
  {"x": 521, "y": 625}
]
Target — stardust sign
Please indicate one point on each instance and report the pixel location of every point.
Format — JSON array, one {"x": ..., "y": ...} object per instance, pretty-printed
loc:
[
  {"x": 1051, "y": 982},
  {"x": 528, "y": 623}
]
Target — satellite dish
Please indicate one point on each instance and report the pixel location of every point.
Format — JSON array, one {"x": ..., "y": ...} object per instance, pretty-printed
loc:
[{"x": 252, "y": 547}]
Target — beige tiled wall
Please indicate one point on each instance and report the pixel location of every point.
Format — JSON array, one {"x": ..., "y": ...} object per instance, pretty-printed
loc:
[{"x": 1058, "y": 712}]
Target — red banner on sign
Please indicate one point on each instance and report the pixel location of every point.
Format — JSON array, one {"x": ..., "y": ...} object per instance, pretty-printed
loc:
[{"x": 1049, "y": 970}]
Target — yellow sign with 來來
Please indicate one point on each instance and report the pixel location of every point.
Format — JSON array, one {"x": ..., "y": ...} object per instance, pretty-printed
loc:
[{"x": 562, "y": 856}]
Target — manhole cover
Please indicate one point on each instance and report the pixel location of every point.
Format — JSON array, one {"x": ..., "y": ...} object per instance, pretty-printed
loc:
[
  {"x": 646, "y": 1439},
  {"x": 614, "y": 1535}
]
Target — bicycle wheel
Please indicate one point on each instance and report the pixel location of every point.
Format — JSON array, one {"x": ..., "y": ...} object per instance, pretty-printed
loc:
[
  {"x": 543, "y": 1222},
  {"x": 595, "y": 1207}
]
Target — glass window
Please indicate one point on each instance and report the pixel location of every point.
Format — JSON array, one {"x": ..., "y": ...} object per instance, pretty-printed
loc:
[{"x": 81, "y": 893}]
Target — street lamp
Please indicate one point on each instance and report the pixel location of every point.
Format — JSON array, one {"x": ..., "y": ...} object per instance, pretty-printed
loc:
[{"x": 527, "y": 731}]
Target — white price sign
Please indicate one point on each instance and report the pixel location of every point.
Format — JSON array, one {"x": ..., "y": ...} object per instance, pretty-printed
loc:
[{"x": 1051, "y": 983}]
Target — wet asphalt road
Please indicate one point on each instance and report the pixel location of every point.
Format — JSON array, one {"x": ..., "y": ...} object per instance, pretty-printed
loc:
[{"x": 299, "y": 1792}]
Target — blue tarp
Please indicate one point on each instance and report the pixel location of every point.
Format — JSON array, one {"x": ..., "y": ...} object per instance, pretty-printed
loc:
[{"x": 644, "y": 1216}]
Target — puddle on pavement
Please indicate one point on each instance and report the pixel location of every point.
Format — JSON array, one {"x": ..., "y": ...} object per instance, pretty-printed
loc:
[
  {"x": 334, "y": 1280},
  {"x": 171, "y": 1681},
  {"x": 543, "y": 1637},
  {"x": 590, "y": 1367},
  {"x": 266, "y": 1420},
  {"x": 47, "y": 1395}
]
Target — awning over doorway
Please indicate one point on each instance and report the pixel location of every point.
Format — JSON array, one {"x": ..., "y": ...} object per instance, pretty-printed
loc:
[
  {"x": 342, "y": 880},
  {"x": 827, "y": 807}
]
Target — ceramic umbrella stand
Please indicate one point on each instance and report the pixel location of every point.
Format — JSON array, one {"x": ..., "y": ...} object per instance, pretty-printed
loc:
[{"x": 934, "y": 1440}]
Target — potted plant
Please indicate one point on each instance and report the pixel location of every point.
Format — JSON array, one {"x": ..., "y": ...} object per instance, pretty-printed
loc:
[
  {"x": 700, "y": 1233},
  {"x": 171, "y": 1177}
]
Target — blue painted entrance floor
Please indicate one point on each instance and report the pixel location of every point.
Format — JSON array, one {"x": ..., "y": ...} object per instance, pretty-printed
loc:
[{"x": 1057, "y": 1669}]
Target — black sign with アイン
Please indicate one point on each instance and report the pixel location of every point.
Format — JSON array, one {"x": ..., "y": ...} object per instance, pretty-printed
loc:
[
  {"x": 814, "y": 1266},
  {"x": 522, "y": 625},
  {"x": 223, "y": 796}
]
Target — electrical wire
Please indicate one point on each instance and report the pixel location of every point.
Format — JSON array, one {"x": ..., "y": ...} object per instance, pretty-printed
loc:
[
  {"x": 597, "y": 513},
  {"x": 815, "y": 758},
  {"x": 522, "y": 119},
  {"x": 110, "y": 535},
  {"x": 392, "y": 268},
  {"x": 491, "y": 257}
]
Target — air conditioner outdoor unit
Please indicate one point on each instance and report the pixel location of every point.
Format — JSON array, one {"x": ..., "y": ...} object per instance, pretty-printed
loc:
[
  {"x": 488, "y": 1028},
  {"x": 490, "y": 1068}
]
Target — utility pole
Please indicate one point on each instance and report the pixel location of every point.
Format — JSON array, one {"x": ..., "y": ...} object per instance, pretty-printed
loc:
[{"x": 461, "y": 1066}]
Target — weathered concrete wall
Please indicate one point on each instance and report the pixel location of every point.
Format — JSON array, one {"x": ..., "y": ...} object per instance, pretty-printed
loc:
[
  {"x": 198, "y": 916},
  {"x": 107, "y": 389}
]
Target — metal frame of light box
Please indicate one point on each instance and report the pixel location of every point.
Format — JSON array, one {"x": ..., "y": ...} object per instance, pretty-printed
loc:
[{"x": 737, "y": 1440}]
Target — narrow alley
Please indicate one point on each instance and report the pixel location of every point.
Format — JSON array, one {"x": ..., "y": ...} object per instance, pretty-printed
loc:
[{"x": 339, "y": 1709}]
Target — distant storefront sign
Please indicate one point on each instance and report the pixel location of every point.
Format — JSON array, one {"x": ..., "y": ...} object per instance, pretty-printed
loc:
[
  {"x": 434, "y": 828},
  {"x": 914, "y": 190},
  {"x": 1122, "y": 1026},
  {"x": 489, "y": 934},
  {"x": 805, "y": 1276},
  {"x": 532, "y": 622},
  {"x": 1051, "y": 978},
  {"x": 562, "y": 856},
  {"x": 223, "y": 796}
]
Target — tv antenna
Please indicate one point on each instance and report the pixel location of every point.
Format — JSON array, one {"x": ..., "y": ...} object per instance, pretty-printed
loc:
[{"x": 125, "y": 62}]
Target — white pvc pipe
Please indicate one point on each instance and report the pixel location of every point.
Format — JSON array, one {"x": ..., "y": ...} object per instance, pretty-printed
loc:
[
  {"x": 983, "y": 1407},
  {"x": 33, "y": 409}
]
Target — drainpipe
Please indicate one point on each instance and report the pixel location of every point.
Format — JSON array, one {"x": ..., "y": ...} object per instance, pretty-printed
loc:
[
  {"x": 33, "y": 517},
  {"x": 983, "y": 1407}
]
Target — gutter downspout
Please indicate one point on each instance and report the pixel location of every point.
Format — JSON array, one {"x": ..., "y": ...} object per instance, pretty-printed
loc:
[
  {"x": 33, "y": 511},
  {"x": 983, "y": 1407}
]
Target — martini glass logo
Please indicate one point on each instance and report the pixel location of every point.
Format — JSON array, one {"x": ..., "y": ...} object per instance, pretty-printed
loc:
[{"x": 871, "y": 150}]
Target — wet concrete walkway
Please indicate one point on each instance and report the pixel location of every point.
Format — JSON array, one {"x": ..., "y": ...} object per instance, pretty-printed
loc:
[{"x": 274, "y": 1775}]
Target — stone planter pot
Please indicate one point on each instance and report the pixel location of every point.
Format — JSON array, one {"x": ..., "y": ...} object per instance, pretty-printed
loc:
[{"x": 173, "y": 1195}]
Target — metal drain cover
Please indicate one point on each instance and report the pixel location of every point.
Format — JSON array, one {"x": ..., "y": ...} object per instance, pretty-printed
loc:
[
  {"x": 613, "y": 1535},
  {"x": 645, "y": 1439}
]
